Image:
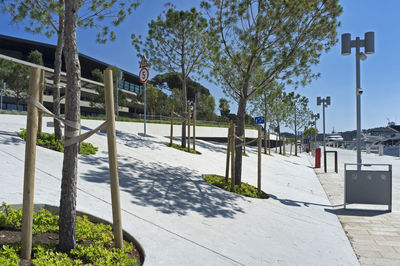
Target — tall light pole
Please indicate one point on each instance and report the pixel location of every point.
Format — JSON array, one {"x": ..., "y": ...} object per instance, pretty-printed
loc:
[
  {"x": 119, "y": 78},
  {"x": 325, "y": 102},
  {"x": 315, "y": 117},
  {"x": 369, "y": 47}
]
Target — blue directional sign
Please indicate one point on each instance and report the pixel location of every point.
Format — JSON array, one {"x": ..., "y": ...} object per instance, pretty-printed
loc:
[{"x": 259, "y": 120}]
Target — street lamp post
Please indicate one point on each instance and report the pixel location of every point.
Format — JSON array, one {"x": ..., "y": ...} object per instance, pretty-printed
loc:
[
  {"x": 315, "y": 117},
  {"x": 325, "y": 102},
  {"x": 369, "y": 46}
]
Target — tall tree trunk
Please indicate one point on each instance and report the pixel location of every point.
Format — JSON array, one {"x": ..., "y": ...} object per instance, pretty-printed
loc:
[
  {"x": 69, "y": 171},
  {"x": 184, "y": 96},
  {"x": 240, "y": 120},
  {"x": 295, "y": 131},
  {"x": 57, "y": 74}
]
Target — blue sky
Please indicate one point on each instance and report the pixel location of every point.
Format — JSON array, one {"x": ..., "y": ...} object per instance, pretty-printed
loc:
[{"x": 380, "y": 73}]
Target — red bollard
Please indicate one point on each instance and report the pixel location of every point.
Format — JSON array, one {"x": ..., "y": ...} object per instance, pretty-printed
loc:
[{"x": 318, "y": 158}]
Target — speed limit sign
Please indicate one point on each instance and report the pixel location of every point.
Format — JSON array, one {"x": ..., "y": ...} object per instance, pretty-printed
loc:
[{"x": 143, "y": 75}]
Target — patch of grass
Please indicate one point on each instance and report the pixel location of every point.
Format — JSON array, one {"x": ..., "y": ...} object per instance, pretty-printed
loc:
[
  {"x": 49, "y": 141},
  {"x": 94, "y": 242},
  {"x": 178, "y": 147},
  {"x": 245, "y": 189}
]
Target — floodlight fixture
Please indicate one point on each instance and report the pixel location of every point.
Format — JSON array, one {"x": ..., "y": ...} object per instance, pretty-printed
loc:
[{"x": 363, "y": 56}]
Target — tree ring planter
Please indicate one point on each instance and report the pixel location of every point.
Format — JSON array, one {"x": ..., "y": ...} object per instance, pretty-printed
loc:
[{"x": 92, "y": 218}]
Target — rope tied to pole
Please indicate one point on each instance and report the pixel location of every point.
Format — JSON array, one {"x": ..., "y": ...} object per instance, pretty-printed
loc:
[{"x": 73, "y": 136}]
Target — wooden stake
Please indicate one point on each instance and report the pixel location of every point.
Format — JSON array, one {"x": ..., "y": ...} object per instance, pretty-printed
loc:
[
  {"x": 29, "y": 170},
  {"x": 172, "y": 126},
  {"x": 259, "y": 160},
  {"x": 265, "y": 141},
  {"x": 291, "y": 143},
  {"x": 188, "y": 119},
  {"x": 41, "y": 95},
  {"x": 194, "y": 126},
  {"x": 244, "y": 140},
  {"x": 112, "y": 158},
  {"x": 228, "y": 149},
  {"x": 284, "y": 145},
  {"x": 269, "y": 143},
  {"x": 232, "y": 157}
]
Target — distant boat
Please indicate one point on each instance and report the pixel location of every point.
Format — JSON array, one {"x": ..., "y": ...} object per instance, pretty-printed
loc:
[{"x": 334, "y": 137}]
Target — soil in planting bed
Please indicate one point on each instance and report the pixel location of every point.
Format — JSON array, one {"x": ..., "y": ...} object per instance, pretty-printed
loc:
[{"x": 8, "y": 236}]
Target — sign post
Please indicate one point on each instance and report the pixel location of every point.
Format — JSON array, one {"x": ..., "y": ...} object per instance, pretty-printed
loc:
[{"x": 143, "y": 77}]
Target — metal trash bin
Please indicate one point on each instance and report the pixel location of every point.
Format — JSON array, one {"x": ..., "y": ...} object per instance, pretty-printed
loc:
[{"x": 368, "y": 186}]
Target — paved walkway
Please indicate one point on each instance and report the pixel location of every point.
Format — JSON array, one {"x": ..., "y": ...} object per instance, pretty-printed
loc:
[
  {"x": 374, "y": 234},
  {"x": 178, "y": 218}
]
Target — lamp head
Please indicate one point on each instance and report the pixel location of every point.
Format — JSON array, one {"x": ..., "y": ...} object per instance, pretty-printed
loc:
[
  {"x": 369, "y": 39},
  {"x": 328, "y": 100},
  {"x": 363, "y": 57},
  {"x": 346, "y": 44}
]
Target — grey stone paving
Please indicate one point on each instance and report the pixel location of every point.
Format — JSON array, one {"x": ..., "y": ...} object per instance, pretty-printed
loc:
[{"x": 374, "y": 234}]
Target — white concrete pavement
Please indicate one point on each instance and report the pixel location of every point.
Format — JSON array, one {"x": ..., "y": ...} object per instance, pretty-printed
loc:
[{"x": 178, "y": 218}]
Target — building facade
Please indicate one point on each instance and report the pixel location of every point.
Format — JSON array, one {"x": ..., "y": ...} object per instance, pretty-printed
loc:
[{"x": 21, "y": 48}]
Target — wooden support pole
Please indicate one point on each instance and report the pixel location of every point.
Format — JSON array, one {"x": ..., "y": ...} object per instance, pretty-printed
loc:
[
  {"x": 29, "y": 170},
  {"x": 233, "y": 157},
  {"x": 284, "y": 145},
  {"x": 269, "y": 143},
  {"x": 112, "y": 158},
  {"x": 259, "y": 160},
  {"x": 172, "y": 127},
  {"x": 291, "y": 143},
  {"x": 194, "y": 126},
  {"x": 244, "y": 140},
  {"x": 188, "y": 119},
  {"x": 265, "y": 141},
  {"x": 228, "y": 149},
  {"x": 41, "y": 95}
]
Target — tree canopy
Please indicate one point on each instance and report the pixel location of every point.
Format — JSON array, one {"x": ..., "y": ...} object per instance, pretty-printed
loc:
[
  {"x": 177, "y": 42},
  {"x": 280, "y": 39}
]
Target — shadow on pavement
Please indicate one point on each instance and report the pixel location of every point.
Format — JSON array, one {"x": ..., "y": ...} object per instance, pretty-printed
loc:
[
  {"x": 171, "y": 190},
  {"x": 130, "y": 140},
  {"x": 10, "y": 138},
  {"x": 297, "y": 203},
  {"x": 356, "y": 212}
]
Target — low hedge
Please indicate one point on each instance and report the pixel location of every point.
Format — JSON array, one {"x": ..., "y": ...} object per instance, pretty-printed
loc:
[
  {"x": 49, "y": 141},
  {"x": 179, "y": 147},
  {"x": 245, "y": 189},
  {"x": 95, "y": 245}
]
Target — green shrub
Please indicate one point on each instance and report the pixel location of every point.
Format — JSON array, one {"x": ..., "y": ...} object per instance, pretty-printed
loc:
[
  {"x": 179, "y": 147},
  {"x": 94, "y": 242},
  {"x": 245, "y": 189},
  {"x": 49, "y": 141}
]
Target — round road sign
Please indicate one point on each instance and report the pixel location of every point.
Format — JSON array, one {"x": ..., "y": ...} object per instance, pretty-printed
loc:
[{"x": 143, "y": 75}]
